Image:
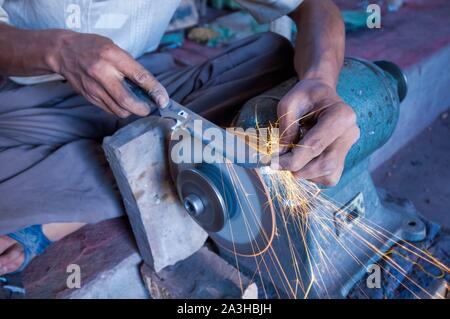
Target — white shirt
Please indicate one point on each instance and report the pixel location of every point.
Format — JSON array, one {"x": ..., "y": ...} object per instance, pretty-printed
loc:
[{"x": 136, "y": 26}]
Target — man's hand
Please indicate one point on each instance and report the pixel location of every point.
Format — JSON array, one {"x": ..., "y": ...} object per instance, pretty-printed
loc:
[
  {"x": 320, "y": 154},
  {"x": 96, "y": 67}
]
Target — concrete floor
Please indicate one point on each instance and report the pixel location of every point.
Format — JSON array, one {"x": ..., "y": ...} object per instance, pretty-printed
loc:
[{"x": 420, "y": 171}]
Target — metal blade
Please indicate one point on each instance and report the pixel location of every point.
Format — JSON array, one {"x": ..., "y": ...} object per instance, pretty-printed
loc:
[{"x": 239, "y": 152}]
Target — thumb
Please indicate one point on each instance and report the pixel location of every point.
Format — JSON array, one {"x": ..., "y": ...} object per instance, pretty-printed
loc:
[
  {"x": 146, "y": 81},
  {"x": 291, "y": 108}
]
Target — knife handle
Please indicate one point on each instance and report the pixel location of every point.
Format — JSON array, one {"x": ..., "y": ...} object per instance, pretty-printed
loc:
[{"x": 140, "y": 94}]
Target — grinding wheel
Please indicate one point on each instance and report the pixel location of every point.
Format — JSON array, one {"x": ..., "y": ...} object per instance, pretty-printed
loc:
[{"x": 230, "y": 202}]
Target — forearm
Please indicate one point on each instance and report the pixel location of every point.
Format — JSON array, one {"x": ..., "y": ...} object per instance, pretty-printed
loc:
[
  {"x": 320, "y": 42},
  {"x": 93, "y": 65},
  {"x": 26, "y": 52}
]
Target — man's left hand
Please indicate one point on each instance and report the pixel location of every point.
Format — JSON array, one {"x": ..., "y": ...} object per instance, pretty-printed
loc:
[{"x": 319, "y": 155}]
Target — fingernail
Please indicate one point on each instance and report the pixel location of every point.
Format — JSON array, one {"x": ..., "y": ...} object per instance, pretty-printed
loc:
[{"x": 163, "y": 102}]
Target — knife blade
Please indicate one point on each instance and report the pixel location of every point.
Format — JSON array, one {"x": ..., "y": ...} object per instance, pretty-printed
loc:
[{"x": 240, "y": 152}]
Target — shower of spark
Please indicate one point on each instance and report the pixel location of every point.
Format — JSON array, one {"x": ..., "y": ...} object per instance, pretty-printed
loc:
[{"x": 301, "y": 205}]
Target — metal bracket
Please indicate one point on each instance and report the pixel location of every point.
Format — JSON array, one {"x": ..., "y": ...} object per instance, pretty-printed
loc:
[{"x": 349, "y": 213}]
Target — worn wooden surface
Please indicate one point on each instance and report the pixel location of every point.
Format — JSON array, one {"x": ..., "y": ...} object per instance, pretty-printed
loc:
[{"x": 96, "y": 249}]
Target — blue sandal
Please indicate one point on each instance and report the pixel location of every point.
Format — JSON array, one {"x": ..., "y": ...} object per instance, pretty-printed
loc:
[{"x": 33, "y": 241}]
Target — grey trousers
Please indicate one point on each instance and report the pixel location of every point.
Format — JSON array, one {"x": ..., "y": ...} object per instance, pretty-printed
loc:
[{"x": 52, "y": 167}]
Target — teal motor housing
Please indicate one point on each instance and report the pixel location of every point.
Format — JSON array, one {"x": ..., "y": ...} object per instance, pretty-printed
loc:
[{"x": 374, "y": 91}]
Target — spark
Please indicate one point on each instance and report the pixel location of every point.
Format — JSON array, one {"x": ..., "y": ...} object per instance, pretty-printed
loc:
[{"x": 301, "y": 205}]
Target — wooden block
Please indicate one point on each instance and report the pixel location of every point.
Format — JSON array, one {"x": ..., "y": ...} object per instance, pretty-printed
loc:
[
  {"x": 204, "y": 275},
  {"x": 98, "y": 249},
  {"x": 138, "y": 157}
]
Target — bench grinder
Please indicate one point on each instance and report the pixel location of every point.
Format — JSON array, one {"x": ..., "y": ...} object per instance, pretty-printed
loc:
[{"x": 245, "y": 221}]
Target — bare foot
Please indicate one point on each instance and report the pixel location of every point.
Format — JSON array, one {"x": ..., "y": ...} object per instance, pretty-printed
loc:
[{"x": 11, "y": 252}]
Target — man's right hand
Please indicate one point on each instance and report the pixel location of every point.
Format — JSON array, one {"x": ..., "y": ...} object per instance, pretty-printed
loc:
[{"x": 96, "y": 68}]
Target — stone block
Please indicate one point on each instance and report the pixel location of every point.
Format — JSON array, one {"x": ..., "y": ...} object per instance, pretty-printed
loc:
[{"x": 138, "y": 156}]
